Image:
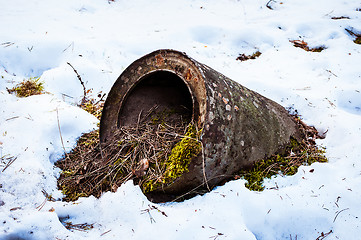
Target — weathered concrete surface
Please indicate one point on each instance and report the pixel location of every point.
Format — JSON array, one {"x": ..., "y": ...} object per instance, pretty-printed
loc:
[{"x": 239, "y": 126}]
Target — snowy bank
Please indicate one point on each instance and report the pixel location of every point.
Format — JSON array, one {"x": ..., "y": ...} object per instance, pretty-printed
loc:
[{"x": 100, "y": 39}]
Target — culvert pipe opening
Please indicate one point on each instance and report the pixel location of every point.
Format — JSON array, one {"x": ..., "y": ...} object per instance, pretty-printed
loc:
[{"x": 160, "y": 97}]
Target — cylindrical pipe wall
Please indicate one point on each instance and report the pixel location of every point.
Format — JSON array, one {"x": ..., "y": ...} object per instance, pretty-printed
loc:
[{"x": 239, "y": 126}]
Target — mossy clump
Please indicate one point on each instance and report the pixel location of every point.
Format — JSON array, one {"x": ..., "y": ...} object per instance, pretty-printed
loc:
[
  {"x": 92, "y": 107},
  {"x": 296, "y": 155},
  {"x": 89, "y": 140},
  {"x": 287, "y": 160},
  {"x": 29, "y": 87},
  {"x": 178, "y": 161},
  {"x": 173, "y": 116},
  {"x": 72, "y": 194},
  {"x": 161, "y": 117},
  {"x": 183, "y": 152}
]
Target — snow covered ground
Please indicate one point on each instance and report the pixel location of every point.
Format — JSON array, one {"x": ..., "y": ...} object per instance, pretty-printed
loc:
[{"x": 101, "y": 39}]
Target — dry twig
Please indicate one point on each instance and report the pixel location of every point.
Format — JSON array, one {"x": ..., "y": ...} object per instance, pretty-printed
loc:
[
  {"x": 81, "y": 82},
  {"x": 11, "y": 160}
]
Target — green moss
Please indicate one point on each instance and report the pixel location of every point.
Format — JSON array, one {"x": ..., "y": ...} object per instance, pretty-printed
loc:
[
  {"x": 71, "y": 193},
  {"x": 67, "y": 173},
  {"x": 92, "y": 108},
  {"x": 89, "y": 139},
  {"x": 178, "y": 161},
  {"x": 162, "y": 117},
  {"x": 295, "y": 155},
  {"x": 32, "y": 86}
]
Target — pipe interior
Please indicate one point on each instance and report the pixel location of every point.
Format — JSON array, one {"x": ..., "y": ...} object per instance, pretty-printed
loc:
[{"x": 159, "y": 97}]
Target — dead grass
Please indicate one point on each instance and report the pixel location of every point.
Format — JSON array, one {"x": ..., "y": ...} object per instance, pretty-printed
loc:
[
  {"x": 243, "y": 57},
  {"x": 29, "y": 87},
  {"x": 355, "y": 34},
  {"x": 91, "y": 105},
  {"x": 138, "y": 153},
  {"x": 304, "y": 45},
  {"x": 357, "y": 40}
]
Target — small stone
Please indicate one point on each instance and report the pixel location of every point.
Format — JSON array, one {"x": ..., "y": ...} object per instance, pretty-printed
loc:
[
  {"x": 211, "y": 116},
  {"x": 225, "y": 100}
]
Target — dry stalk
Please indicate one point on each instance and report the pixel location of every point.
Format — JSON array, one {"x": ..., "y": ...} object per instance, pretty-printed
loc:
[{"x": 81, "y": 82}]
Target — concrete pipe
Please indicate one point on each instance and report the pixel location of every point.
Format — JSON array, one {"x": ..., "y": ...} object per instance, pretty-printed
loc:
[{"x": 239, "y": 126}]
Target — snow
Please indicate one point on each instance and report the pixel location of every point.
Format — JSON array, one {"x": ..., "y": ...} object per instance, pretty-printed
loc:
[{"x": 100, "y": 39}]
